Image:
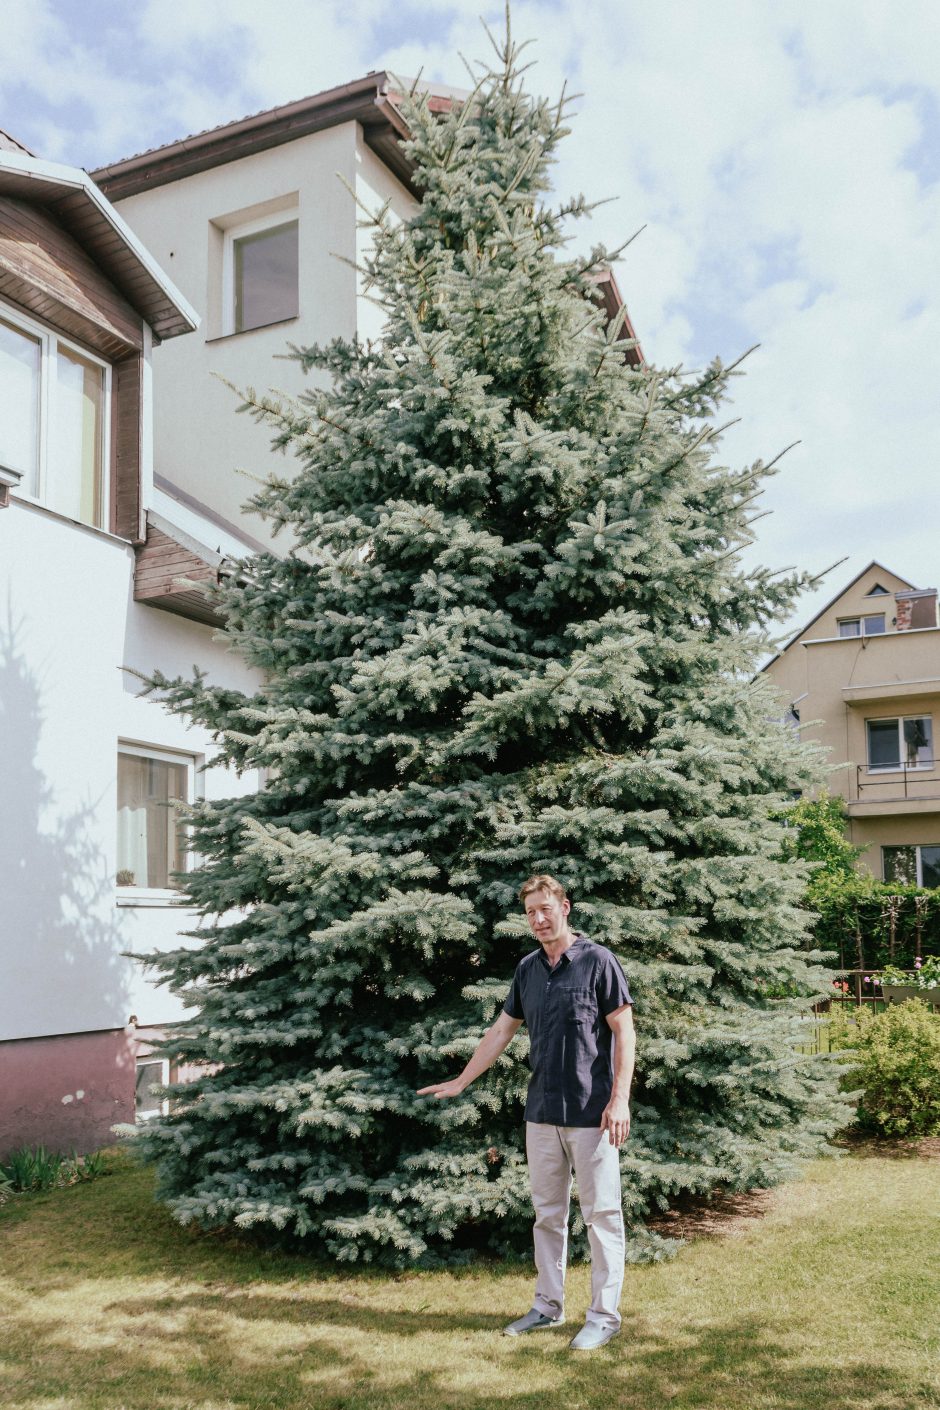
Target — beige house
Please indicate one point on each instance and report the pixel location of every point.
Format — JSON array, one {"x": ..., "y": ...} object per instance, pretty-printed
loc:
[{"x": 863, "y": 679}]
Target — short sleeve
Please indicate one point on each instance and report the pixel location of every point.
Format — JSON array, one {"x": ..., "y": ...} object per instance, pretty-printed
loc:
[
  {"x": 612, "y": 988},
  {"x": 513, "y": 1004}
]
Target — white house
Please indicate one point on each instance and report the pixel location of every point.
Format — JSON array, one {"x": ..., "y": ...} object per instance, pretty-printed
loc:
[
  {"x": 262, "y": 223},
  {"x": 90, "y": 553},
  {"x": 258, "y": 224},
  {"x": 119, "y": 457}
]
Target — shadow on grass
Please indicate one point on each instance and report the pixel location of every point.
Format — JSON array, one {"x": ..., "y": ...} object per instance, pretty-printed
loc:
[
  {"x": 257, "y": 1352},
  {"x": 109, "y": 1303},
  {"x": 125, "y": 1230},
  {"x": 861, "y": 1145}
]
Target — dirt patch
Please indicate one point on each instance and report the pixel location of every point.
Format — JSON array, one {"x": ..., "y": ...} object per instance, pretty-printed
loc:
[
  {"x": 860, "y": 1146},
  {"x": 723, "y": 1216}
]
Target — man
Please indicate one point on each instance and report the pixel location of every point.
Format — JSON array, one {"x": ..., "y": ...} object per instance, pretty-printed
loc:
[{"x": 573, "y": 997}]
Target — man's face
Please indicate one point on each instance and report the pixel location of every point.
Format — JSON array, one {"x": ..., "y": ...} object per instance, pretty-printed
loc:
[{"x": 547, "y": 916}]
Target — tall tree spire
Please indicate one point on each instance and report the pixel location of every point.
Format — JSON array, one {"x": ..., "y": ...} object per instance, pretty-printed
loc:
[{"x": 512, "y": 635}]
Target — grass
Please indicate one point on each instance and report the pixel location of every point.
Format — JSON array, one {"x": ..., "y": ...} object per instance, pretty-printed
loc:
[{"x": 827, "y": 1300}]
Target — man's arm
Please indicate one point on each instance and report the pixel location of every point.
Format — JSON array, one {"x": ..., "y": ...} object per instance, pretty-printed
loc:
[
  {"x": 497, "y": 1037},
  {"x": 616, "y": 1117}
]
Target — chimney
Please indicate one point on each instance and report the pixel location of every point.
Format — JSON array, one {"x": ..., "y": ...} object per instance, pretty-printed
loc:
[{"x": 915, "y": 609}]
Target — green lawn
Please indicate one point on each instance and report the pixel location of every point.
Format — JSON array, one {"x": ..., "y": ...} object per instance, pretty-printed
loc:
[{"x": 828, "y": 1300}]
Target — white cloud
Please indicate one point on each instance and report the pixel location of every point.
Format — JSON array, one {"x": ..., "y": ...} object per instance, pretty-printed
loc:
[{"x": 769, "y": 149}]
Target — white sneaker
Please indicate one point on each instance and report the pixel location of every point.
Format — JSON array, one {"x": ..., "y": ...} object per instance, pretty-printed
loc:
[
  {"x": 533, "y": 1321},
  {"x": 591, "y": 1336}
]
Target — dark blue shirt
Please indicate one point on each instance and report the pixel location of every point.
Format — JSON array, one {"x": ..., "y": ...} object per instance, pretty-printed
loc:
[{"x": 570, "y": 1043}]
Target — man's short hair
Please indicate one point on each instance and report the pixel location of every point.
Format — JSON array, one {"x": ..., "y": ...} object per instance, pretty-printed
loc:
[{"x": 543, "y": 883}]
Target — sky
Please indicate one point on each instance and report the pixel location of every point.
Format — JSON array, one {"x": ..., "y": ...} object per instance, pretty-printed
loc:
[{"x": 781, "y": 156}]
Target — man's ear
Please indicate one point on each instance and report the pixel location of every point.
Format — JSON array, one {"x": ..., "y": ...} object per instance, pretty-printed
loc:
[{"x": 566, "y": 906}]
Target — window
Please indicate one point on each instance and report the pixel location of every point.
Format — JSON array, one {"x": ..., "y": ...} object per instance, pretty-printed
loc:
[
  {"x": 862, "y": 626},
  {"x": 897, "y": 743},
  {"x": 260, "y": 273},
  {"x": 151, "y": 1072},
  {"x": 911, "y": 866},
  {"x": 151, "y": 840},
  {"x": 52, "y": 420},
  {"x": 877, "y": 591}
]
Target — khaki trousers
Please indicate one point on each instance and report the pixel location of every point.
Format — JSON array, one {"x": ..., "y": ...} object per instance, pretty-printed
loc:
[{"x": 554, "y": 1152}]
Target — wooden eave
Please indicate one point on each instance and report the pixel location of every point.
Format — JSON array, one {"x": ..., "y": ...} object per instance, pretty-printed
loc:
[
  {"x": 48, "y": 274},
  {"x": 365, "y": 100},
  {"x": 167, "y": 564},
  {"x": 100, "y": 240},
  {"x": 611, "y": 300}
]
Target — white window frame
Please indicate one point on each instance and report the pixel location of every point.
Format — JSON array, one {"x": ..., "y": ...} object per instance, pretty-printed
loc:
[
  {"x": 918, "y": 859},
  {"x": 901, "y": 766},
  {"x": 160, "y": 1107},
  {"x": 288, "y": 216},
  {"x": 862, "y": 621},
  {"x": 161, "y": 895},
  {"x": 49, "y": 339}
]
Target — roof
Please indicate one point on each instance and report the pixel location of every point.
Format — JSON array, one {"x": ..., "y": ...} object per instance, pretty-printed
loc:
[
  {"x": 8, "y": 143},
  {"x": 831, "y": 603},
  {"x": 611, "y": 300},
  {"x": 73, "y": 199},
  {"x": 369, "y": 101}
]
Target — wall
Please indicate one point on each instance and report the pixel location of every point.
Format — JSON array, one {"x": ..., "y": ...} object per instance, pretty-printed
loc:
[
  {"x": 904, "y": 829},
  {"x": 66, "y": 1092},
  {"x": 375, "y": 185},
  {"x": 200, "y": 443},
  {"x": 840, "y": 683},
  {"x": 68, "y": 623}
]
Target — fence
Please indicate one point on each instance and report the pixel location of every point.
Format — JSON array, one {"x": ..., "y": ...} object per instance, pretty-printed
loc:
[{"x": 854, "y": 988}]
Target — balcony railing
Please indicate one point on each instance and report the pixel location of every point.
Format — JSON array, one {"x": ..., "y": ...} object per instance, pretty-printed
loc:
[{"x": 906, "y": 781}]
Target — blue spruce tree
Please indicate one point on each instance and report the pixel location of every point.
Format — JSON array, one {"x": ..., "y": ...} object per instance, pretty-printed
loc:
[{"x": 512, "y": 634}]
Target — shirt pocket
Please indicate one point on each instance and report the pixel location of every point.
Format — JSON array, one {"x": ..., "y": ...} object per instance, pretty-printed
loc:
[{"x": 581, "y": 1008}]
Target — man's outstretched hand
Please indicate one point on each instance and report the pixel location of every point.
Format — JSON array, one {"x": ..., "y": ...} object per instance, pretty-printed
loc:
[
  {"x": 494, "y": 1040},
  {"x": 453, "y": 1088}
]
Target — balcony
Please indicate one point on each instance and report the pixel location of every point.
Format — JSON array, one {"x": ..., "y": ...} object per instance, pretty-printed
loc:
[
  {"x": 896, "y": 666},
  {"x": 900, "y": 788},
  {"x": 169, "y": 568}
]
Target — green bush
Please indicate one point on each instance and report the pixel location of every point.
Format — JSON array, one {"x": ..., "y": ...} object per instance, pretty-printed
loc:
[
  {"x": 39, "y": 1169},
  {"x": 893, "y": 1060}
]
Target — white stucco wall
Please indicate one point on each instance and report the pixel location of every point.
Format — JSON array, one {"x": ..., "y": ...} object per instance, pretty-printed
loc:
[
  {"x": 68, "y": 622},
  {"x": 375, "y": 185},
  {"x": 200, "y": 443}
]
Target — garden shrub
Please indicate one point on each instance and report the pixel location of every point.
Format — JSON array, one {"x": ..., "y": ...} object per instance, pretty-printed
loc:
[
  {"x": 28, "y": 1169},
  {"x": 893, "y": 1061}
]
